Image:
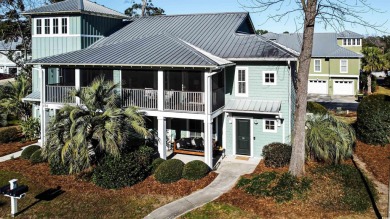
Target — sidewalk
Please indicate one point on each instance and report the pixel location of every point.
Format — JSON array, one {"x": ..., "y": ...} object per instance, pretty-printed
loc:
[
  {"x": 13, "y": 155},
  {"x": 229, "y": 172}
]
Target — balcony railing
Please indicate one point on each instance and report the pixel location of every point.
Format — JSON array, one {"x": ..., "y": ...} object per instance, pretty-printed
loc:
[
  {"x": 142, "y": 98},
  {"x": 184, "y": 101},
  {"x": 59, "y": 94}
]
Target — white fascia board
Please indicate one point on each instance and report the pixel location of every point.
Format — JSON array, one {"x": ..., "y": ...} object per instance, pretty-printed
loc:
[{"x": 261, "y": 59}]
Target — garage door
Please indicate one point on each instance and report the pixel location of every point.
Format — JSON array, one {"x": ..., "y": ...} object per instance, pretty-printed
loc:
[
  {"x": 343, "y": 88},
  {"x": 317, "y": 87}
]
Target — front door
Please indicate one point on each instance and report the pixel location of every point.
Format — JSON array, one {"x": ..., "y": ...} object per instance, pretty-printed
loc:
[{"x": 243, "y": 137}]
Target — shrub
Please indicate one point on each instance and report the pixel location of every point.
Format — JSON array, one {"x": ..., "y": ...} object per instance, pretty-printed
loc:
[
  {"x": 282, "y": 187},
  {"x": 156, "y": 163},
  {"x": 373, "y": 120},
  {"x": 328, "y": 139},
  {"x": 31, "y": 128},
  {"x": 36, "y": 157},
  {"x": 169, "y": 171},
  {"x": 386, "y": 81},
  {"x": 57, "y": 167},
  {"x": 126, "y": 170},
  {"x": 195, "y": 169},
  {"x": 9, "y": 134},
  {"x": 277, "y": 154},
  {"x": 27, "y": 152},
  {"x": 315, "y": 108}
]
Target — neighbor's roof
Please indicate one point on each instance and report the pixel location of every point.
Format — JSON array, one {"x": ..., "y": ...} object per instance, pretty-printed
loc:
[
  {"x": 34, "y": 96},
  {"x": 349, "y": 34},
  {"x": 252, "y": 106},
  {"x": 75, "y": 6},
  {"x": 5, "y": 46},
  {"x": 324, "y": 44},
  {"x": 159, "y": 49}
]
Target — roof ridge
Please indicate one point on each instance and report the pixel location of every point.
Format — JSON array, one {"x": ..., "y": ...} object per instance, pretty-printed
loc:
[{"x": 193, "y": 14}]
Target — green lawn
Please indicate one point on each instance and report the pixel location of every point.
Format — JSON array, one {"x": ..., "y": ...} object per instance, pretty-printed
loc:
[{"x": 219, "y": 210}]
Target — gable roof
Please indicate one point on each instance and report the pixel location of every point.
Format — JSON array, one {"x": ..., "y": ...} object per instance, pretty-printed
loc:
[
  {"x": 324, "y": 44},
  {"x": 157, "y": 50},
  {"x": 75, "y": 6},
  {"x": 349, "y": 34}
]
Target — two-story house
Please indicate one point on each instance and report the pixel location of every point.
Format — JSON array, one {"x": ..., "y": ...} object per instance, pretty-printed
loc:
[
  {"x": 335, "y": 64},
  {"x": 196, "y": 76}
]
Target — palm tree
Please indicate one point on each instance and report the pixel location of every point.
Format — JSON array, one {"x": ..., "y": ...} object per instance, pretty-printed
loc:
[
  {"x": 373, "y": 61},
  {"x": 12, "y": 95},
  {"x": 80, "y": 136},
  {"x": 328, "y": 139}
]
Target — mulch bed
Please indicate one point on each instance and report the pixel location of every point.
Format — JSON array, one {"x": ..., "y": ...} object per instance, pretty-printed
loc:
[
  {"x": 40, "y": 174},
  {"x": 376, "y": 158},
  {"x": 11, "y": 147}
]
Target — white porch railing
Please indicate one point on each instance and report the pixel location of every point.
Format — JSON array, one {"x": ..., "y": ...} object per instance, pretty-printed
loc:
[
  {"x": 184, "y": 101},
  {"x": 59, "y": 94},
  {"x": 142, "y": 98}
]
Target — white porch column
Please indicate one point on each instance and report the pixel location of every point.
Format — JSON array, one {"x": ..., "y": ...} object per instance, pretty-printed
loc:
[
  {"x": 208, "y": 122},
  {"x": 162, "y": 137},
  {"x": 77, "y": 83},
  {"x": 160, "y": 86},
  {"x": 42, "y": 110}
]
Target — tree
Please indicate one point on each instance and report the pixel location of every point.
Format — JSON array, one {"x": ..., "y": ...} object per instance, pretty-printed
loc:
[
  {"x": 285, "y": 32},
  {"x": 11, "y": 102},
  {"x": 333, "y": 13},
  {"x": 373, "y": 61},
  {"x": 261, "y": 32},
  {"x": 147, "y": 9},
  {"x": 81, "y": 136}
]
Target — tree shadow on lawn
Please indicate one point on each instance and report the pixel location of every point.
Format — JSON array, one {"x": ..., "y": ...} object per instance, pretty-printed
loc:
[
  {"x": 47, "y": 195},
  {"x": 370, "y": 194}
]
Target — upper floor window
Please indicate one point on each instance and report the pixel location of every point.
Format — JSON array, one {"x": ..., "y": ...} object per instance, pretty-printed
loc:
[
  {"x": 344, "y": 66},
  {"x": 269, "y": 77},
  {"x": 352, "y": 42},
  {"x": 317, "y": 65},
  {"x": 52, "y": 26},
  {"x": 241, "y": 81}
]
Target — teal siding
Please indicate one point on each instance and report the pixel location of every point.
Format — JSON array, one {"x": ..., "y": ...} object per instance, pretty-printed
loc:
[
  {"x": 96, "y": 25},
  {"x": 49, "y": 46},
  {"x": 74, "y": 25},
  {"x": 36, "y": 83},
  {"x": 256, "y": 90}
]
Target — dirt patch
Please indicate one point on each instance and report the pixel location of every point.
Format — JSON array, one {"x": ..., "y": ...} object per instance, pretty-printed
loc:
[
  {"x": 376, "y": 158},
  {"x": 11, "y": 147}
]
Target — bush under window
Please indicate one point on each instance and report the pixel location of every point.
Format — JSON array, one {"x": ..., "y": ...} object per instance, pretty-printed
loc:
[{"x": 277, "y": 154}]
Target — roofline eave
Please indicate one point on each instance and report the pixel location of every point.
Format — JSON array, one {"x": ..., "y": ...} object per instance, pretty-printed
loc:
[
  {"x": 262, "y": 59},
  {"x": 252, "y": 112},
  {"x": 75, "y": 12}
]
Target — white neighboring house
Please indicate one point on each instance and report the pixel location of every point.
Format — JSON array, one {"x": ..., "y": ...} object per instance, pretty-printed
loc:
[{"x": 6, "y": 65}]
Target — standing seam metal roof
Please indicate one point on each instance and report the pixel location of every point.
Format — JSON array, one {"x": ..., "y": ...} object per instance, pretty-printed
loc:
[{"x": 254, "y": 106}]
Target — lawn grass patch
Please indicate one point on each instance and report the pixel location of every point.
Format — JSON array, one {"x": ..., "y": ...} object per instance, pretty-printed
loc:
[{"x": 218, "y": 210}]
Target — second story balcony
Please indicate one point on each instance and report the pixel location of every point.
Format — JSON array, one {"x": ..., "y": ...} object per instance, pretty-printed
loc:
[{"x": 183, "y": 91}]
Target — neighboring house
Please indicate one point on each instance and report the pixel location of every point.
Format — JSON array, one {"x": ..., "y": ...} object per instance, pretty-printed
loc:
[
  {"x": 335, "y": 64},
  {"x": 6, "y": 65},
  {"x": 195, "y": 76}
]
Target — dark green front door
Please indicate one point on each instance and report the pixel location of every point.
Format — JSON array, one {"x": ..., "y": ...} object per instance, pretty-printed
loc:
[{"x": 243, "y": 145}]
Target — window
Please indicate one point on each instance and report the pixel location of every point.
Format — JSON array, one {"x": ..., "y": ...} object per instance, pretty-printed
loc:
[
  {"x": 351, "y": 42},
  {"x": 269, "y": 77},
  {"x": 269, "y": 125},
  {"x": 64, "y": 25},
  {"x": 317, "y": 65},
  {"x": 47, "y": 26},
  {"x": 39, "y": 26},
  {"x": 358, "y": 42},
  {"x": 241, "y": 82},
  {"x": 55, "y": 25},
  {"x": 343, "y": 66}
]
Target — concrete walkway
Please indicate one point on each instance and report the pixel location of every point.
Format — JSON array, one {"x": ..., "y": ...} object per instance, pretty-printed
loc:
[
  {"x": 13, "y": 155},
  {"x": 229, "y": 172}
]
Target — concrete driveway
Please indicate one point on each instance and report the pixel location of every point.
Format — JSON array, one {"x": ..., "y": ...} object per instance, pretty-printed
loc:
[{"x": 332, "y": 102}]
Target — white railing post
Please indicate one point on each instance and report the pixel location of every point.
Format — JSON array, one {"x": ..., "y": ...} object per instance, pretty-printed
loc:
[
  {"x": 77, "y": 83},
  {"x": 160, "y": 88},
  {"x": 162, "y": 138}
]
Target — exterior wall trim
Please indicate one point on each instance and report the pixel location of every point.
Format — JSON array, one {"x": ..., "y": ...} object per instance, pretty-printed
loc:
[{"x": 237, "y": 94}]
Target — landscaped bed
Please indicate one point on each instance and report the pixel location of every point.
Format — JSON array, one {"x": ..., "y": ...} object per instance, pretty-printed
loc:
[
  {"x": 331, "y": 195},
  {"x": 11, "y": 147},
  {"x": 82, "y": 199}
]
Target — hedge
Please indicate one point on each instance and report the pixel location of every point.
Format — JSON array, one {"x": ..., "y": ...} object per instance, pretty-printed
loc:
[
  {"x": 195, "y": 169},
  {"x": 277, "y": 154},
  {"x": 169, "y": 171},
  {"x": 27, "y": 152}
]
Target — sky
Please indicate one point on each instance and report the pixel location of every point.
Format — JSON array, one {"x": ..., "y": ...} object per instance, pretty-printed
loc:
[{"x": 259, "y": 19}]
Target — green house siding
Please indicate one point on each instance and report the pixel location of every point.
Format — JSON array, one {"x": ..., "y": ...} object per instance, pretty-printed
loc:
[
  {"x": 100, "y": 26},
  {"x": 357, "y": 49},
  {"x": 256, "y": 90},
  {"x": 324, "y": 66},
  {"x": 353, "y": 66},
  {"x": 49, "y": 46}
]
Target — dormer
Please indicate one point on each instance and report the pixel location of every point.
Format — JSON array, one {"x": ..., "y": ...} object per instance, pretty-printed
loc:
[
  {"x": 350, "y": 40},
  {"x": 70, "y": 25}
]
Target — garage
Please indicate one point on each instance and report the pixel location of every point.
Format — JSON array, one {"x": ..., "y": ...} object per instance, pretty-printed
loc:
[
  {"x": 317, "y": 87},
  {"x": 343, "y": 87}
]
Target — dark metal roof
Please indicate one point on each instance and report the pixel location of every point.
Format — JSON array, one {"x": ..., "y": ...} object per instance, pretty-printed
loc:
[
  {"x": 75, "y": 6},
  {"x": 349, "y": 34},
  {"x": 214, "y": 33},
  {"x": 159, "y": 49},
  {"x": 253, "y": 106},
  {"x": 324, "y": 44}
]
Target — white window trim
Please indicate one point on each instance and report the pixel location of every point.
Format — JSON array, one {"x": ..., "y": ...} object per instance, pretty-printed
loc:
[
  {"x": 315, "y": 65},
  {"x": 268, "y": 130},
  {"x": 341, "y": 60},
  {"x": 51, "y": 34},
  {"x": 246, "y": 82},
  {"x": 269, "y": 83},
  {"x": 358, "y": 42}
]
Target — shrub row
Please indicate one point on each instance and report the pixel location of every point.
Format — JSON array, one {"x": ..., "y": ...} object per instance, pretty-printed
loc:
[
  {"x": 173, "y": 170},
  {"x": 9, "y": 134},
  {"x": 33, "y": 153}
]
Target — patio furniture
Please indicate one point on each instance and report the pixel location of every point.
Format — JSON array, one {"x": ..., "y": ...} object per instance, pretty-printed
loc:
[{"x": 191, "y": 146}]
